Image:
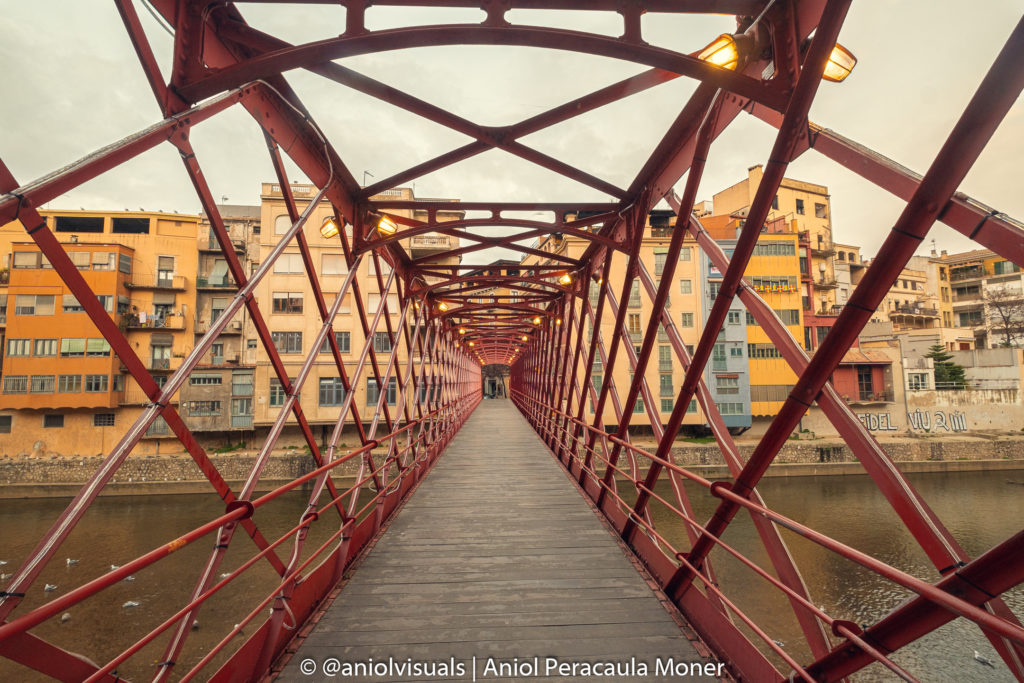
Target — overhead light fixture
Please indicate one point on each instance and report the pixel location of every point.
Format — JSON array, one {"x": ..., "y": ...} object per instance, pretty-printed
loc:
[
  {"x": 442, "y": 307},
  {"x": 566, "y": 279},
  {"x": 472, "y": 344},
  {"x": 525, "y": 338},
  {"x": 840, "y": 64},
  {"x": 386, "y": 226},
  {"x": 723, "y": 51},
  {"x": 462, "y": 330},
  {"x": 536, "y": 321},
  {"x": 558, "y": 321},
  {"x": 329, "y": 228}
]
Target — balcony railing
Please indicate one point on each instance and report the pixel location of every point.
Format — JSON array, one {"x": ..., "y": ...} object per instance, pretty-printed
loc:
[
  {"x": 971, "y": 274},
  {"x": 176, "y": 283},
  {"x": 430, "y": 242},
  {"x": 133, "y": 321},
  {"x": 825, "y": 283},
  {"x": 872, "y": 397},
  {"x": 206, "y": 282},
  {"x": 915, "y": 310},
  {"x": 233, "y": 327},
  {"x": 241, "y": 421},
  {"x": 213, "y": 245}
]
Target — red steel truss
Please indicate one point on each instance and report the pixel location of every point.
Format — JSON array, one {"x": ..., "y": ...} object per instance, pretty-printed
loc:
[{"x": 540, "y": 319}]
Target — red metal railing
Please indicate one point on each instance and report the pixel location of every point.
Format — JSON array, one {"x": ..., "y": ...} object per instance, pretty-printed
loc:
[{"x": 453, "y": 317}]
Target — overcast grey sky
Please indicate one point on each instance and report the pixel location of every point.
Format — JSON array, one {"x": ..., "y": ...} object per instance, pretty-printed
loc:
[{"x": 72, "y": 84}]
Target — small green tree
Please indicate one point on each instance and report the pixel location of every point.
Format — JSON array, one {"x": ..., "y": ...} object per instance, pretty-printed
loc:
[{"x": 948, "y": 375}]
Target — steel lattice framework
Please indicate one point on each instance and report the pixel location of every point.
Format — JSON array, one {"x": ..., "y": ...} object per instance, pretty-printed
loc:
[{"x": 538, "y": 325}]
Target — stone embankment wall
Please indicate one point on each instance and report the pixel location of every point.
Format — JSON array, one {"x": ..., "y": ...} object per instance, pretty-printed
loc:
[{"x": 53, "y": 476}]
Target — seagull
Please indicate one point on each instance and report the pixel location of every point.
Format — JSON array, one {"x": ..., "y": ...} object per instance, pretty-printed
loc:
[
  {"x": 114, "y": 566},
  {"x": 779, "y": 643},
  {"x": 983, "y": 660},
  {"x": 66, "y": 617},
  {"x": 3, "y": 562},
  {"x": 195, "y": 625},
  {"x": 130, "y": 603},
  {"x": 225, "y": 575},
  {"x": 129, "y": 578},
  {"x": 69, "y": 562},
  {"x": 49, "y": 588}
]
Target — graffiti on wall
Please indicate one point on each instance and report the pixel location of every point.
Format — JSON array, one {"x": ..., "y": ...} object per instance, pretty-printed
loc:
[
  {"x": 937, "y": 420},
  {"x": 919, "y": 420}
]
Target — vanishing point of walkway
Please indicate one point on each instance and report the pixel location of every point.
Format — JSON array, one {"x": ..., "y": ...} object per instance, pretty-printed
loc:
[{"x": 496, "y": 557}]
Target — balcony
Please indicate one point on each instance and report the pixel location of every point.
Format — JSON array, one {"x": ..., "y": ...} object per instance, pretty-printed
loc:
[
  {"x": 241, "y": 421},
  {"x": 825, "y": 283},
  {"x": 823, "y": 249},
  {"x": 176, "y": 283},
  {"x": 133, "y": 321},
  {"x": 206, "y": 283},
  {"x": 973, "y": 296},
  {"x": 233, "y": 327},
  {"x": 213, "y": 245},
  {"x": 430, "y": 243},
  {"x": 159, "y": 365},
  {"x": 872, "y": 397},
  {"x": 915, "y": 310}
]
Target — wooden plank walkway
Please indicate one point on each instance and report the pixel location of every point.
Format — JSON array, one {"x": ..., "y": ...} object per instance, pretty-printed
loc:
[{"x": 496, "y": 556}]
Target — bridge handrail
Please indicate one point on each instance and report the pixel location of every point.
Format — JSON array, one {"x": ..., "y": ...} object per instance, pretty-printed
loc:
[{"x": 720, "y": 489}]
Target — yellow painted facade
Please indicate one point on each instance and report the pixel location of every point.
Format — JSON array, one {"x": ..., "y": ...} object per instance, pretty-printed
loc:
[{"x": 64, "y": 391}]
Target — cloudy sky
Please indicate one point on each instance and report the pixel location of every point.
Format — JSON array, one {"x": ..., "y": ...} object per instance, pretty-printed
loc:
[{"x": 72, "y": 84}]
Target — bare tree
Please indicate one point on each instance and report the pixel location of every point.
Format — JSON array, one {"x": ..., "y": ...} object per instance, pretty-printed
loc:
[{"x": 1006, "y": 314}]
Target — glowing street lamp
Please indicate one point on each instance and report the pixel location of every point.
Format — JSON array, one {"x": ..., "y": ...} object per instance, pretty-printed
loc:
[
  {"x": 566, "y": 279},
  {"x": 462, "y": 330},
  {"x": 536, "y": 321},
  {"x": 386, "y": 226},
  {"x": 329, "y": 228},
  {"x": 724, "y": 51},
  {"x": 840, "y": 64},
  {"x": 442, "y": 307}
]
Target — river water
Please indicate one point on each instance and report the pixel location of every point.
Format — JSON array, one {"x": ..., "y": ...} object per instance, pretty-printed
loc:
[{"x": 981, "y": 509}]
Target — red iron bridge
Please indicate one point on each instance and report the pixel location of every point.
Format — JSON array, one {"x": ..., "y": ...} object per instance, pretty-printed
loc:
[{"x": 472, "y": 524}]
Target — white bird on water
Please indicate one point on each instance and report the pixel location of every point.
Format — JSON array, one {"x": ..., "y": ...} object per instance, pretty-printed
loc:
[
  {"x": 983, "y": 660},
  {"x": 66, "y": 617},
  {"x": 130, "y": 603},
  {"x": 3, "y": 562},
  {"x": 69, "y": 562},
  {"x": 129, "y": 578},
  {"x": 49, "y": 588},
  {"x": 114, "y": 566}
]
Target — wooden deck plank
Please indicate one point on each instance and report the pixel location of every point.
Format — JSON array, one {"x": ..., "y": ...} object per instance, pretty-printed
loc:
[{"x": 494, "y": 556}]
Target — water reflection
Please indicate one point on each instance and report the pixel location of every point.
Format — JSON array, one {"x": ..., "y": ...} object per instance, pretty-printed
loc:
[{"x": 979, "y": 508}]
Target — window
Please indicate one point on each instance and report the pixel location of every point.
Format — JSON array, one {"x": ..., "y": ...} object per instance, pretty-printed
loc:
[
  {"x": 865, "y": 384},
  {"x": 282, "y": 224},
  {"x": 775, "y": 202},
  {"x": 713, "y": 289},
  {"x": 770, "y": 392},
  {"x": 103, "y": 260},
  {"x": 822, "y": 332},
  {"x": 727, "y": 385},
  {"x": 718, "y": 358},
  {"x": 289, "y": 263},
  {"x": 69, "y": 384},
  {"x": 841, "y": 256},
  {"x": 5, "y": 424},
  {"x": 204, "y": 380},
  {"x": 217, "y": 353},
  {"x": 775, "y": 249},
  {"x": 692, "y": 408},
  {"x": 131, "y": 226},
  {"x": 687, "y": 320},
  {"x": 789, "y": 316},
  {"x": 665, "y": 384},
  {"x": 800, "y": 206},
  {"x": 159, "y": 427},
  {"x": 685, "y": 254},
  {"x": 241, "y": 412},
  {"x": 332, "y": 391},
  {"x": 96, "y": 383},
  {"x": 385, "y": 267},
  {"x": 25, "y": 259},
  {"x": 124, "y": 263},
  {"x": 72, "y": 347},
  {"x": 241, "y": 384},
  {"x": 666, "y": 405},
  {"x": 333, "y": 264},
  {"x": 763, "y": 351},
  {"x": 276, "y": 393},
  {"x": 287, "y": 342},
  {"x": 917, "y": 381},
  {"x": 634, "y": 295},
  {"x": 106, "y": 301},
  {"x": 53, "y": 421},
  {"x": 204, "y": 408},
  {"x": 732, "y": 408},
  {"x": 633, "y": 323},
  {"x": 80, "y": 259},
  {"x": 781, "y": 283},
  {"x": 734, "y": 317},
  {"x": 103, "y": 420},
  {"x": 97, "y": 348},
  {"x": 819, "y": 211},
  {"x": 33, "y": 304},
  {"x": 42, "y": 384},
  {"x": 287, "y": 302},
  {"x": 381, "y": 342},
  {"x": 165, "y": 271},
  {"x": 343, "y": 339},
  {"x": 638, "y": 407},
  {"x": 70, "y": 304},
  {"x": 373, "y": 396},
  {"x": 1005, "y": 268},
  {"x": 659, "y": 261},
  {"x": 78, "y": 224},
  {"x": 686, "y": 286},
  {"x": 19, "y": 347},
  {"x": 16, "y": 384},
  {"x": 665, "y": 358}
]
